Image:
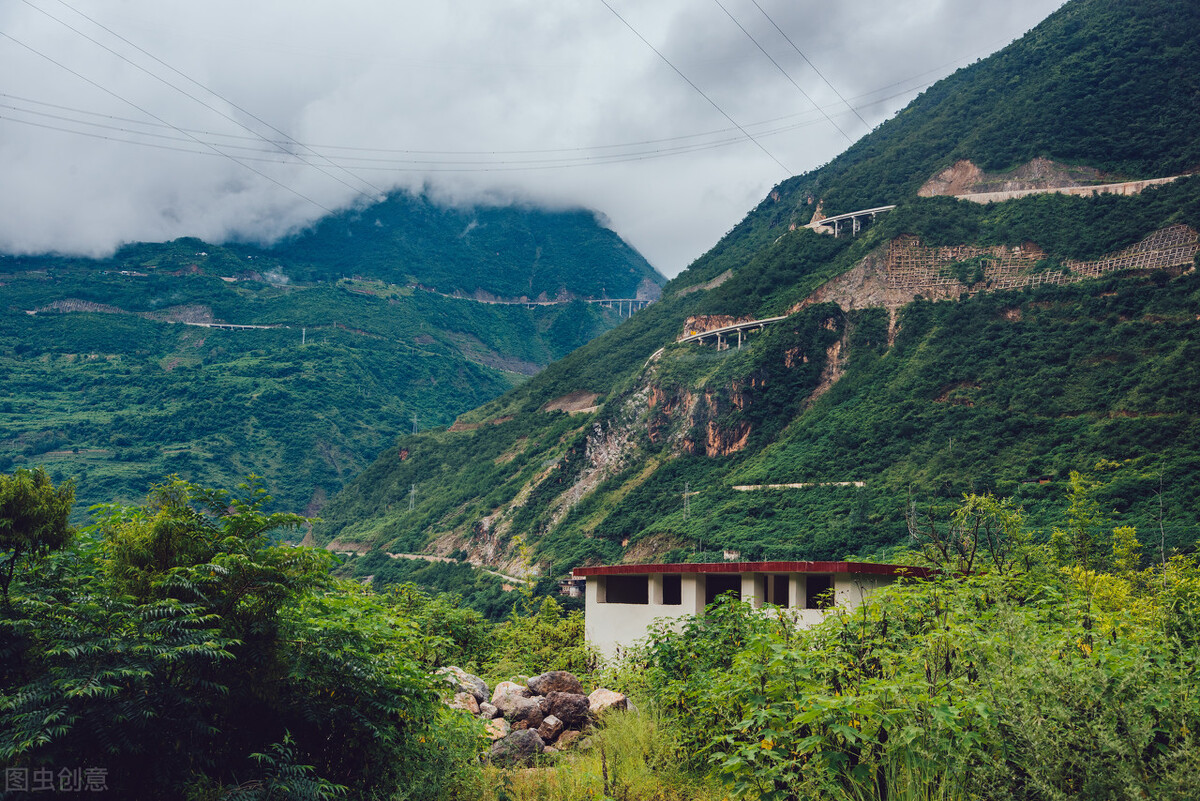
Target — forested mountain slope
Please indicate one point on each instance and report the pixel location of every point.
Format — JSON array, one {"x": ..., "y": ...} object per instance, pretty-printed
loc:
[
  {"x": 1062, "y": 338},
  {"x": 117, "y": 372}
]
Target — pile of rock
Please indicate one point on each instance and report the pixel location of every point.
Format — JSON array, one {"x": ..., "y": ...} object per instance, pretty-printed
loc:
[{"x": 545, "y": 715}]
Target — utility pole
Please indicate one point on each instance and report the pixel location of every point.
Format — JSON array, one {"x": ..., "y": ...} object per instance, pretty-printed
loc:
[
  {"x": 686, "y": 504},
  {"x": 412, "y": 497},
  {"x": 414, "y": 422},
  {"x": 303, "y": 335}
]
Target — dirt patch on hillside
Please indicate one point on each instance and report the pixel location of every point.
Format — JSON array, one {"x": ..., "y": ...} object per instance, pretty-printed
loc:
[
  {"x": 338, "y": 546},
  {"x": 965, "y": 178},
  {"x": 573, "y": 402}
]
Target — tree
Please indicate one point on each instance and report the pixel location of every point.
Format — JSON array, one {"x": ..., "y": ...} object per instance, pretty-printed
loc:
[
  {"x": 34, "y": 519},
  {"x": 983, "y": 529}
]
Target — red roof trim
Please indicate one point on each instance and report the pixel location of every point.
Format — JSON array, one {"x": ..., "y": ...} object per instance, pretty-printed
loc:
[{"x": 870, "y": 568}]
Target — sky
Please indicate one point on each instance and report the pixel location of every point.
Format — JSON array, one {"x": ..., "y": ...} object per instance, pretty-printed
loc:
[{"x": 147, "y": 120}]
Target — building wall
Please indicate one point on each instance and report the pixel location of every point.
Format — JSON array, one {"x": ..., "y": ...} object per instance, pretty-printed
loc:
[{"x": 611, "y": 627}]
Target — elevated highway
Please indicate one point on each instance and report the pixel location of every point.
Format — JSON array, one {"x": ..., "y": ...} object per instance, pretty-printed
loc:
[
  {"x": 722, "y": 335},
  {"x": 854, "y": 219}
]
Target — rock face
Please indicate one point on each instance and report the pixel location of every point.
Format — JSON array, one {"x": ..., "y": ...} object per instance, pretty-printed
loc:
[
  {"x": 518, "y": 748},
  {"x": 497, "y": 729},
  {"x": 526, "y": 713},
  {"x": 602, "y": 700},
  {"x": 567, "y": 739},
  {"x": 555, "y": 681}
]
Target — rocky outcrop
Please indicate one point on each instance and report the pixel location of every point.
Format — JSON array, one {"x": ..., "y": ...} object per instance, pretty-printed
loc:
[
  {"x": 508, "y": 695},
  {"x": 571, "y": 708},
  {"x": 464, "y": 701},
  {"x": 550, "y": 729},
  {"x": 905, "y": 269},
  {"x": 700, "y": 323}
]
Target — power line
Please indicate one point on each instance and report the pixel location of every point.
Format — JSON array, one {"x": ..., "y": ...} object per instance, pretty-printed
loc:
[
  {"x": 697, "y": 88},
  {"x": 782, "y": 70},
  {"x": 211, "y": 147},
  {"x": 401, "y": 165},
  {"x": 809, "y": 63},
  {"x": 190, "y": 96}
]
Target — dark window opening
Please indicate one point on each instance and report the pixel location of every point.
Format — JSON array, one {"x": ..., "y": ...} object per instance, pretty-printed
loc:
[
  {"x": 672, "y": 590},
  {"x": 627, "y": 590},
  {"x": 779, "y": 596},
  {"x": 720, "y": 584},
  {"x": 819, "y": 595}
]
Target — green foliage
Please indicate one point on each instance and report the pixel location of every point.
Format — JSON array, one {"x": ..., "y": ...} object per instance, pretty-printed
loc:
[
  {"x": 175, "y": 646},
  {"x": 213, "y": 405},
  {"x": 33, "y": 520},
  {"x": 534, "y": 641},
  {"x": 507, "y": 251},
  {"x": 1030, "y": 683}
]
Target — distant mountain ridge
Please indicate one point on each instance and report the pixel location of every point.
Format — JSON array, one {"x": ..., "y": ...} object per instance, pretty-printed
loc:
[
  {"x": 298, "y": 362},
  {"x": 1021, "y": 375},
  {"x": 503, "y": 251}
]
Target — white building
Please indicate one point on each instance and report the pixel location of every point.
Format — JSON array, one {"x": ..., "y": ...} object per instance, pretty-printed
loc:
[{"x": 622, "y": 600}]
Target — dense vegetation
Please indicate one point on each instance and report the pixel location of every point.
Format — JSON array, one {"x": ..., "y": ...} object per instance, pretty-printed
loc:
[
  {"x": 510, "y": 251},
  {"x": 176, "y": 652},
  {"x": 111, "y": 394},
  {"x": 1057, "y": 671},
  {"x": 1031, "y": 666},
  {"x": 1019, "y": 443},
  {"x": 489, "y": 593}
]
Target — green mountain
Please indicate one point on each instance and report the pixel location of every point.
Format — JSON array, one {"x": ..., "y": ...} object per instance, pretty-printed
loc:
[
  {"x": 949, "y": 346},
  {"x": 120, "y": 371}
]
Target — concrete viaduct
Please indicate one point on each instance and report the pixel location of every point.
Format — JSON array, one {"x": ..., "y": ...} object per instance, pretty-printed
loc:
[
  {"x": 722, "y": 335},
  {"x": 854, "y": 218}
]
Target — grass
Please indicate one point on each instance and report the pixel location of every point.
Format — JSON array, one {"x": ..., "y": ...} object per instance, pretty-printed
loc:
[{"x": 632, "y": 756}]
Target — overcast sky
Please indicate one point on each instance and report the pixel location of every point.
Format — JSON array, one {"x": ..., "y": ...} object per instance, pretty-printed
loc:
[{"x": 129, "y": 120}]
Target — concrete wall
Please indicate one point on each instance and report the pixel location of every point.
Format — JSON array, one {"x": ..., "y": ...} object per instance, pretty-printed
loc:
[{"x": 611, "y": 627}]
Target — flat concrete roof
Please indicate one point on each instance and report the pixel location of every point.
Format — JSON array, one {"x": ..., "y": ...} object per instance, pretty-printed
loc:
[{"x": 870, "y": 568}]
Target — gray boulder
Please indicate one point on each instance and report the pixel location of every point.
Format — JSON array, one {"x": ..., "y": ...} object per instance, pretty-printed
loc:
[
  {"x": 507, "y": 694},
  {"x": 555, "y": 681},
  {"x": 465, "y": 682},
  {"x": 487, "y": 711},
  {"x": 570, "y": 708},
  {"x": 519, "y": 748}
]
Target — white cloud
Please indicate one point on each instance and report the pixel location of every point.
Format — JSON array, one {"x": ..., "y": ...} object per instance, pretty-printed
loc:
[{"x": 474, "y": 99}]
